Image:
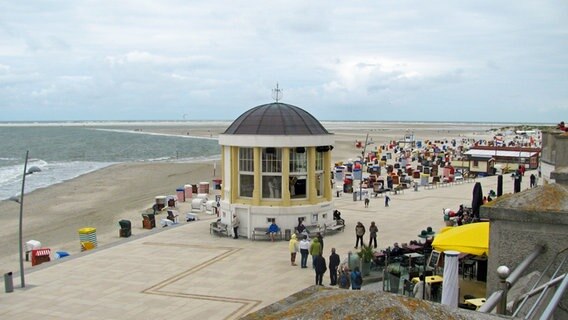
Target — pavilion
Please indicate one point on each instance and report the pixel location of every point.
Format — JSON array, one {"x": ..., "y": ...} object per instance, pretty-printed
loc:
[{"x": 276, "y": 167}]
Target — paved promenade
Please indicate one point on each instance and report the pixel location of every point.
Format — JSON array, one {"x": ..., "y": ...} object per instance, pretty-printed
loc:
[{"x": 183, "y": 272}]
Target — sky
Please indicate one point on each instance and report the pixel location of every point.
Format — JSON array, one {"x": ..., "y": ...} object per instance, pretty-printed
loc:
[{"x": 480, "y": 61}]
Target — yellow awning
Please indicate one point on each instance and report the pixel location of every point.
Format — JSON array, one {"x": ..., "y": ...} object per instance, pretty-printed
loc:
[{"x": 470, "y": 238}]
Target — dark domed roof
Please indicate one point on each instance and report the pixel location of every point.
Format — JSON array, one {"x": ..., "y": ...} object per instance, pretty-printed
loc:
[{"x": 276, "y": 119}]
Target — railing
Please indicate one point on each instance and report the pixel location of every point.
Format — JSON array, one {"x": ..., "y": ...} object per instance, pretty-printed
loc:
[{"x": 499, "y": 298}]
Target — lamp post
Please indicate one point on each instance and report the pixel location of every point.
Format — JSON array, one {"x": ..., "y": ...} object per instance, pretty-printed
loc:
[
  {"x": 21, "y": 202},
  {"x": 362, "y": 167}
]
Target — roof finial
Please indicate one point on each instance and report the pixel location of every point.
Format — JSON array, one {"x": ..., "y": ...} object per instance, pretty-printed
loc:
[{"x": 277, "y": 93}]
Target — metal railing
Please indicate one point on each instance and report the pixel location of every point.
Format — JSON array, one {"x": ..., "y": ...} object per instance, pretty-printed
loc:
[{"x": 499, "y": 298}]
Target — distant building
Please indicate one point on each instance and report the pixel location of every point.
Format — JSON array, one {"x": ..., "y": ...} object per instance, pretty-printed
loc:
[
  {"x": 276, "y": 167},
  {"x": 515, "y": 156},
  {"x": 554, "y": 153}
]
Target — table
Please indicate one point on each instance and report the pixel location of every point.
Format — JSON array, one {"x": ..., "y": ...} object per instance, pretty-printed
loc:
[
  {"x": 429, "y": 279},
  {"x": 478, "y": 302},
  {"x": 412, "y": 255},
  {"x": 414, "y": 247}
]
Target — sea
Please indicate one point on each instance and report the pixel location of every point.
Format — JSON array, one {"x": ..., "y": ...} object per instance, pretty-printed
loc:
[{"x": 59, "y": 152}]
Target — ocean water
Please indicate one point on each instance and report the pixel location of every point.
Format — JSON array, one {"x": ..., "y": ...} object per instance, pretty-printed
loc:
[{"x": 65, "y": 152}]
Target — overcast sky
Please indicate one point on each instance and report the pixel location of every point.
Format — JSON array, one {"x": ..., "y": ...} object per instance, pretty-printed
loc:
[{"x": 499, "y": 61}]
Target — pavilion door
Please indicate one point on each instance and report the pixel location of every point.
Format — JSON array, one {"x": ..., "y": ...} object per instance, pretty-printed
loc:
[{"x": 244, "y": 218}]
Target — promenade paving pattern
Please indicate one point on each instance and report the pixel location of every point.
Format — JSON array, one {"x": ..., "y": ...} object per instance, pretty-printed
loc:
[{"x": 183, "y": 272}]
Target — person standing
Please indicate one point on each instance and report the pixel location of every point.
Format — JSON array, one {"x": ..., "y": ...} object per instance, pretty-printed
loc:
[
  {"x": 293, "y": 245},
  {"x": 387, "y": 200},
  {"x": 320, "y": 267},
  {"x": 422, "y": 289},
  {"x": 235, "y": 223},
  {"x": 533, "y": 180},
  {"x": 315, "y": 250},
  {"x": 359, "y": 232},
  {"x": 356, "y": 279},
  {"x": 320, "y": 239},
  {"x": 373, "y": 229},
  {"x": 304, "y": 250},
  {"x": 343, "y": 281},
  {"x": 333, "y": 264}
]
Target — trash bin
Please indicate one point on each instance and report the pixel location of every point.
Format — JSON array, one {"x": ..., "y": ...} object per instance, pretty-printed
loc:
[
  {"x": 287, "y": 234},
  {"x": 125, "y": 228},
  {"x": 8, "y": 282}
]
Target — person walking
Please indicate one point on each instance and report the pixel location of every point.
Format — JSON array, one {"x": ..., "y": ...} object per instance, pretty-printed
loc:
[
  {"x": 533, "y": 180},
  {"x": 333, "y": 265},
  {"x": 359, "y": 232},
  {"x": 293, "y": 245},
  {"x": 304, "y": 250},
  {"x": 320, "y": 268},
  {"x": 373, "y": 229},
  {"x": 387, "y": 200},
  {"x": 315, "y": 250},
  {"x": 367, "y": 200},
  {"x": 235, "y": 223}
]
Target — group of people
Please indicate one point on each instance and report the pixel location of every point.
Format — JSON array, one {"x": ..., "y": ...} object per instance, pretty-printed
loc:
[
  {"x": 319, "y": 264},
  {"x": 360, "y": 232},
  {"x": 367, "y": 200}
]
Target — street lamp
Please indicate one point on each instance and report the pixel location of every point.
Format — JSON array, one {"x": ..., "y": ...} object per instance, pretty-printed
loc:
[
  {"x": 21, "y": 202},
  {"x": 363, "y": 166}
]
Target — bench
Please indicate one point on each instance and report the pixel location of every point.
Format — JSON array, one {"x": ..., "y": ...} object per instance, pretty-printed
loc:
[
  {"x": 380, "y": 192},
  {"x": 312, "y": 230},
  {"x": 397, "y": 189},
  {"x": 431, "y": 185},
  {"x": 219, "y": 228},
  {"x": 263, "y": 232},
  {"x": 333, "y": 227}
]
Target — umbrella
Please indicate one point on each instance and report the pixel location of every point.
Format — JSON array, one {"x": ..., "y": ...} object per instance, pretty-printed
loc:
[
  {"x": 470, "y": 238},
  {"x": 477, "y": 200}
]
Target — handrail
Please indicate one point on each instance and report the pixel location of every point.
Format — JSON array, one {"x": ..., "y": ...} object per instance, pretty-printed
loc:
[
  {"x": 535, "y": 291},
  {"x": 541, "y": 296},
  {"x": 516, "y": 274},
  {"x": 491, "y": 302},
  {"x": 547, "y": 313},
  {"x": 544, "y": 286},
  {"x": 497, "y": 296}
]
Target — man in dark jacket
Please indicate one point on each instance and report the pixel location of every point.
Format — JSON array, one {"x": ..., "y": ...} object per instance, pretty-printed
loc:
[
  {"x": 321, "y": 268},
  {"x": 333, "y": 264}
]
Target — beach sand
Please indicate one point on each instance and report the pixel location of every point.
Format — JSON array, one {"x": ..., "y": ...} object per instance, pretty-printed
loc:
[{"x": 100, "y": 199}]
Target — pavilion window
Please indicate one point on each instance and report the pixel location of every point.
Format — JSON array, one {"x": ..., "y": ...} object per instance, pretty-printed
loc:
[
  {"x": 246, "y": 172},
  {"x": 271, "y": 173},
  {"x": 298, "y": 177},
  {"x": 319, "y": 174}
]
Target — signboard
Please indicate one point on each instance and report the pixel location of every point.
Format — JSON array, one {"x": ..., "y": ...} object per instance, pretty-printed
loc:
[{"x": 434, "y": 259}]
